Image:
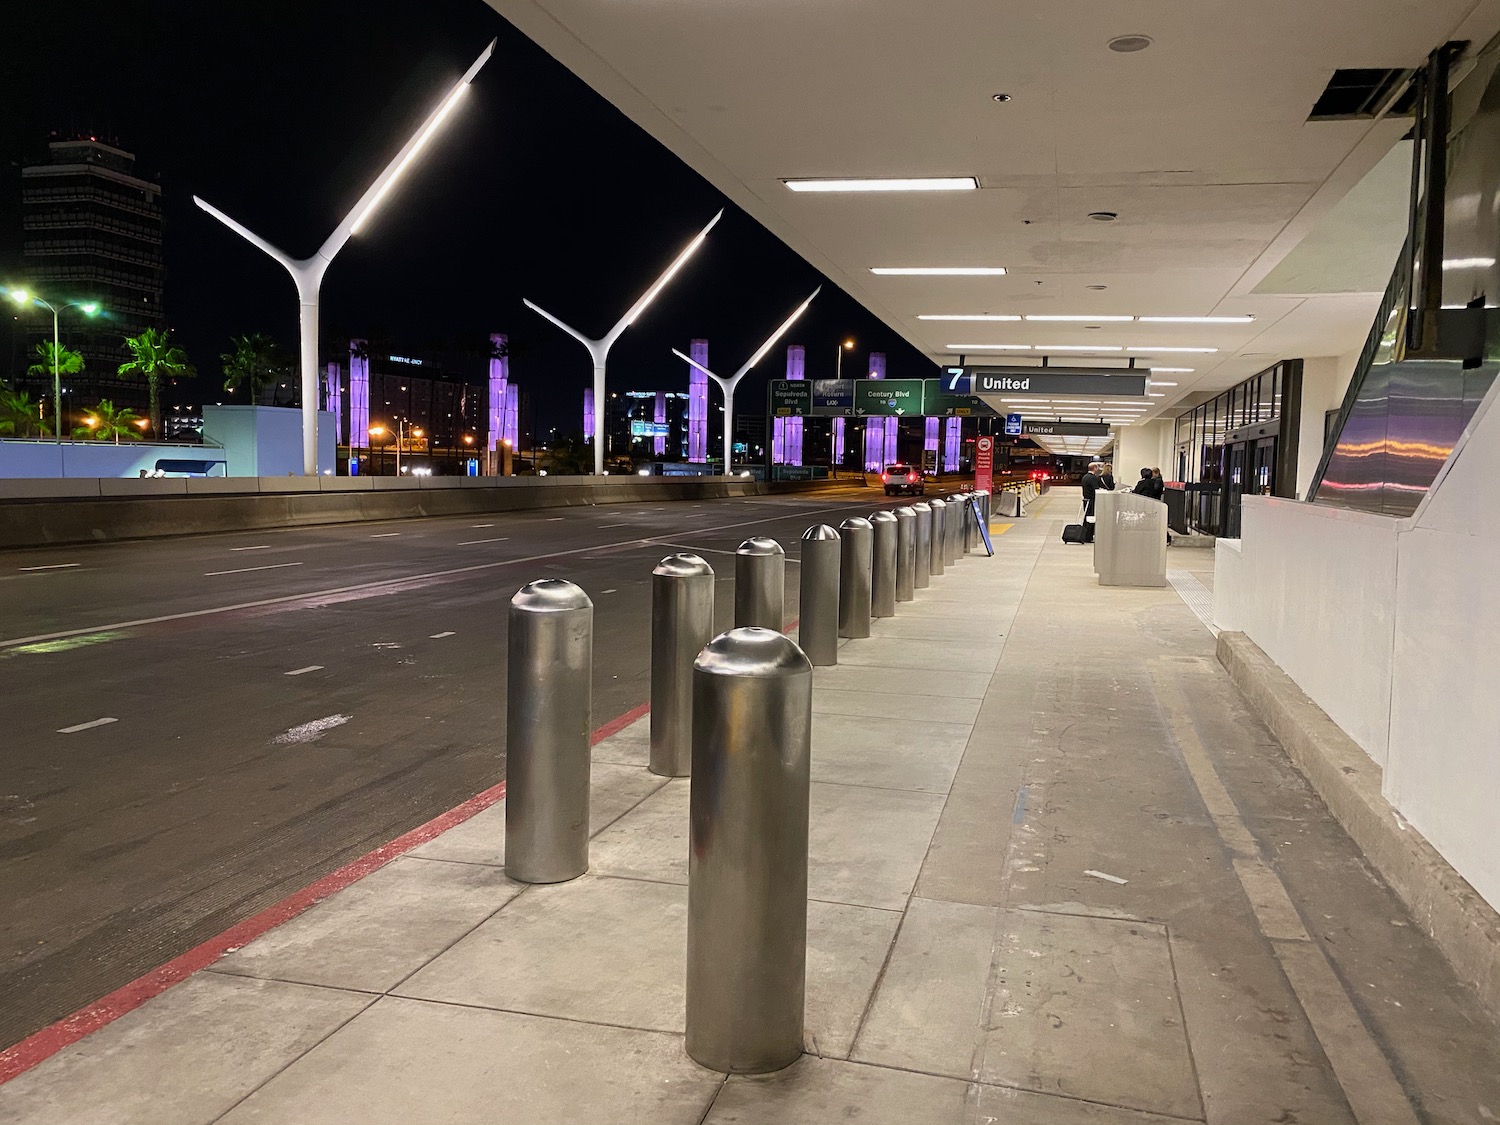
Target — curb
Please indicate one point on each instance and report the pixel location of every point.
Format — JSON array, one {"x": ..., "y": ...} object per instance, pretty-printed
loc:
[
  {"x": 20, "y": 1057},
  {"x": 1450, "y": 911}
]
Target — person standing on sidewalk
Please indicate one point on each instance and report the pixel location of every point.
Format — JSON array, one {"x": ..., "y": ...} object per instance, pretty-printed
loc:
[{"x": 1092, "y": 482}]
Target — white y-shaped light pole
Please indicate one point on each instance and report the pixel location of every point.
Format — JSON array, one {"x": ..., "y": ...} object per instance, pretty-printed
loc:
[
  {"x": 308, "y": 272},
  {"x": 728, "y": 385},
  {"x": 599, "y": 349}
]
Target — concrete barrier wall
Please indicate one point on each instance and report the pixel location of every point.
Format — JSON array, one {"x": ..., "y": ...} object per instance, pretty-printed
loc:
[{"x": 41, "y": 512}]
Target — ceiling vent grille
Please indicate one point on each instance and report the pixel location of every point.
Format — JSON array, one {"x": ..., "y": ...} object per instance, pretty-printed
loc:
[{"x": 1359, "y": 94}]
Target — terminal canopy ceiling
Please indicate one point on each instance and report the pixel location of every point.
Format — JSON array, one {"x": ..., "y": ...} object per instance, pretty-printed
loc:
[{"x": 1165, "y": 181}]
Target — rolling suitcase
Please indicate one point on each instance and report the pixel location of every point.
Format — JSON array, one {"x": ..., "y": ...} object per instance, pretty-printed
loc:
[{"x": 1073, "y": 533}]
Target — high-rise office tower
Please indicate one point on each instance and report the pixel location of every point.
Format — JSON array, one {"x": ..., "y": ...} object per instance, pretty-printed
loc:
[{"x": 92, "y": 231}]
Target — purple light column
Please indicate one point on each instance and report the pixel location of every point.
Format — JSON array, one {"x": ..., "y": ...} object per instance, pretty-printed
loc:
[
  {"x": 333, "y": 400},
  {"x": 875, "y": 427},
  {"x": 499, "y": 379},
  {"x": 659, "y": 445},
  {"x": 838, "y": 441},
  {"x": 512, "y": 426},
  {"x": 359, "y": 396},
  {"x": 796, "y": 368},
  {"x": 951, "y": 441},
  {"x": 931, "y": 437},
  {"x": 588, "y": 414},
  {"x": 698, "y": 403}
]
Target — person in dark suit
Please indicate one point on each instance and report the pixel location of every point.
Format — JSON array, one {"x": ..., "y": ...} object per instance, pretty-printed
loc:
[
  {"x": 1153, "y": 486},
  {"x": 1092, "y": 482}
]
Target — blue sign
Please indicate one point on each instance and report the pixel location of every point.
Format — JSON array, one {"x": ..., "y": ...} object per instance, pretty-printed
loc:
[
  {"x": 649, "y": 429},
  {"x": 957, "y": 381},
  {"x": 833, "y": 396},
  {"x": 1012, "y": 425}
]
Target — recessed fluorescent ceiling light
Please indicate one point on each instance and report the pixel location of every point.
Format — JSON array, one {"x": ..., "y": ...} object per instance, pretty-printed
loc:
[
  {"x": 1161, "y": 382},
  {"x": 927, "y": 183},
  {"x": 985, "y": 317},
  {"x": 1196, "y": 319},
  {"x": 1468, "y": 263},
  {"x": 938, "y": 271},
  {"x": 1204, "y": 351},
  {"x": 1079, "y": 319},
  {"x": 988, "y": 347},
  {"x": 1077, "y": 348},
  {"x": 1176, "y": 370}
]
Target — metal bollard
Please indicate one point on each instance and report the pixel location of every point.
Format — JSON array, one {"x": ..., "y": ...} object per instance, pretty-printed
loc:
[
  {"x": 985, "y": 500},
  {"x": 922, "y": 568},
  {"x": 955, "y": 514},
  {"x": 747, "y": 853},
  {"x": 818, "y": 611},
  {"x": 939, "y": 532},
  {"x": 966, "y": 541},
  {"x": 759, "y": 584},
  {"x": 682, "y": 622},
  {"x": 906, "y": 553},
  {"x": 854, "y": 576},
  {"x": 883, "y": 565},
  {"x": 548, "y": 712}
]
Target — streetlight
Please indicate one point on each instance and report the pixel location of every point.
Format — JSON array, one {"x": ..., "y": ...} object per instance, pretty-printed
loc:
[
  {"x": 728, "y": 385},
  {"x": 846, "y": 346},
  {"x": 88, "y": 308},
  {"x": 599, "y": 349},
  {"x": 308, "y": 272},
  {"x": 401, "y": 432}
]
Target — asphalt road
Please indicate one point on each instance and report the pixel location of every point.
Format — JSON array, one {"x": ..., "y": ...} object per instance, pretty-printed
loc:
[{"x": 279, "y": 703}]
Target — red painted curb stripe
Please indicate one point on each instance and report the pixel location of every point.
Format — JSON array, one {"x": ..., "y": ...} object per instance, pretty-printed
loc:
[
  {"x": 616, "y": 725},
  {"x": 70, "y": 1029}
]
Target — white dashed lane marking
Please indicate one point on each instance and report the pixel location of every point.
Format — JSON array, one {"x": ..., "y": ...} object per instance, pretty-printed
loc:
[
  {"x": 440, "y": 636},
  {"x": 301, "y": 671},
  {"x": 51, "y": 566},
  {"x": 86, "y": 726}
]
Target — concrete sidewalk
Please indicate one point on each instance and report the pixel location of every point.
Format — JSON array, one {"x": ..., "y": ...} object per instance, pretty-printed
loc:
[{"x": 1058, "y": 875}]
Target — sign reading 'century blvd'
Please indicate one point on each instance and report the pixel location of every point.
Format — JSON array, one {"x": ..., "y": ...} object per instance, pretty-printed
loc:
[
  {"x": 1052, "y": 381},
  {"x": 896, "y": 397}
]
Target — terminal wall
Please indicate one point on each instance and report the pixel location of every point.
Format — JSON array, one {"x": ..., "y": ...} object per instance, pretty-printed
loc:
[
  {"x": 1444, "y": 771},
  {"x": 1389, "y": 625},
  {"x": 1147, "y": 446},
  {"x": 1315, "y": 588}
]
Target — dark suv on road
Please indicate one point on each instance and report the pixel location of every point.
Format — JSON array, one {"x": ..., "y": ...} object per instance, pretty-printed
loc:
[{"x": 900, "y": 478}]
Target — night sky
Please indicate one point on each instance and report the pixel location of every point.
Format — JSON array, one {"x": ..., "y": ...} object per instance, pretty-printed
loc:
[{"x": 280, "y": 112}]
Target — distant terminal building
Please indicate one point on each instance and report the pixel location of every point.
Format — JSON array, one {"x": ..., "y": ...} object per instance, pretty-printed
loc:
[
  {"x": 92, "y": 231},
  {"x": 438, "y": 418}
]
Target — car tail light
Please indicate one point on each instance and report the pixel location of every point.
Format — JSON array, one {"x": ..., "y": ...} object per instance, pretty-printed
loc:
[
  {"x": 912, "y": 477},
  {"x": 884, "y": 477}
]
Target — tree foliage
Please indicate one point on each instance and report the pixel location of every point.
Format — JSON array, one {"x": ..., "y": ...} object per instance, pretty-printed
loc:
[
  {"x": 20, "y": 417},
  {"x": 107, "y": 422},
  {"x": 157, "y": 358},
  {"x": 254, "y": 364}
]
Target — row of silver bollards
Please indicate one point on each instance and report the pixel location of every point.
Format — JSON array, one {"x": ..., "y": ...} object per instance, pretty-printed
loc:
[{"x": 735, "y": 713}]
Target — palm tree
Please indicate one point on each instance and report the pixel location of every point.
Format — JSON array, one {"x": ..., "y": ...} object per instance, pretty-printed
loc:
[
  {"x": 19, "y": 416},
  {"x": 156, "y": 358},
  {"x": 254, "y": 364},
  {"x": 106, "y": 421},
  {"x": 68, "y": 362}
]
